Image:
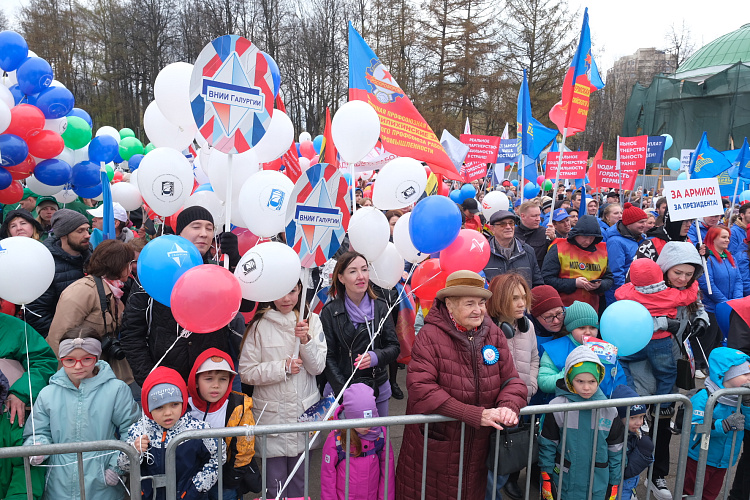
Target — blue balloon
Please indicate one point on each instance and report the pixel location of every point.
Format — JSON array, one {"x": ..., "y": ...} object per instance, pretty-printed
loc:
[
  {"x": 82, "y": 114},
  {"x": 88, "y": 192},
  {"x": 85, "y": 174},
  {"x": 455, "y": 195},
  {"x": 118, "y": 158},
  {"x": 53, "y": 172},
  {"x": 13, "y": 150},
  {"x": 628, "y": 325},
  {"x": 34, "y": 75},
  {"x": 204, "y": 187},
  {"x": 514, "y": 182},
  {"x": 674, "y": 163},
  {"x": 682, "y": 176},
  {"x": 467, "y": 191},
  {"x": 745, "y": 196},
  {"x": 55, "y": 102},
  {"x": 275, "y": 74},
  {"x": 429, "y": 214},
  {"x": 161, "y": 263},
  {"x": 5, "y": 178},
  {"x": 298, "y": 153},
  {"x": 318, "y": 143},
  {"x": 17, "y": 94},
  {"x": 13, "y": 50},
  {"x": 668, "y": 141},
  {"x": 134, "y": 162},
  {"x": 103, "y": 149},
  {"x": 530, "y": 190}
]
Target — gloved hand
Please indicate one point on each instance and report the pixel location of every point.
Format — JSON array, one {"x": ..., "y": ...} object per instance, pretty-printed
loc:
[
  {"x": 746, "y": 399},
  {"x": 38, "y": 459},
  {"x": 229, "y": 246},
  {"x": 645, "y": 446},
  {"x": 673, "y": 325},
  {"x": 734, "y": 422},
  {"x": 549, "y": 490},
  {"x": 111, "y": 477},
  {"x": 699, "y": 328},
  {"x": 611, "y": 492}
]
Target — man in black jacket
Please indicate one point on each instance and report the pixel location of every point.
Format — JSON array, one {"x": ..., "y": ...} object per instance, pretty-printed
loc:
[
  {"x": 508, "y": 253},
  {"x": 70, "y": 248},
  {"x": 530, "y": 231}
]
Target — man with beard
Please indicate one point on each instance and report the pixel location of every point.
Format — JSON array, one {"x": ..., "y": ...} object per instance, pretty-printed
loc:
[{"x": 69, "y": 246}]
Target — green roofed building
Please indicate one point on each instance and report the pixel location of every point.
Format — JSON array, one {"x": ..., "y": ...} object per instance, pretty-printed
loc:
[{"x": 710, "y": 91}]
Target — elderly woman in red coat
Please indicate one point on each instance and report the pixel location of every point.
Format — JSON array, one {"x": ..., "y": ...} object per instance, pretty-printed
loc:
[{"x": 461, "y": 368}]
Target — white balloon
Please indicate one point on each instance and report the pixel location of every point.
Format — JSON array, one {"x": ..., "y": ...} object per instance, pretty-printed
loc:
[
  {"x": 277, "y": 139},
  {"x": 6, "y": 96},
  {"x": 263, "y": 202},
  {"x": 400, "y": 183},
  {"x": 386, "y": 270},
  {"x": 494, "y": 201},
  {"x": 402, "y": 241},
  {"x": 243, "y": 166},
  {"x": 110, "y": 131},
  {"x": 164, "y": 133},
  {"x": 355, "y": 130},
  {"x": 172, "y": 93},
  {"x": 80, "y": 155},
  {"x": 268, "y": 271},
  {"x": 204, "y": 158},
  {"x": 27, "y": 268},
  {"x": 202, "y": 142},
  {"x": 200, "y": 175},
  {"x": 99, "y": 198},
  {"x": 41, "y": 189},
  {"x": 4, "y": 116},
  {"x": 11, "y": 79},
  {"x": 134, "y": 178},
  {"x": 369, "y": 232},
  {"x": 126, "y": 195},
  {"x": 56, "y": 125},
  {"x": 165, "y": 180},
  {"x": 67, "y": 155},
  {"x": 57, "y": 83},
  {"x": 209, "y": 201},
  {"x": 304, "y": 163},
  {"x": 305, "y": 136},
  {"x": 66, "y": 196},
  {"x": 237, "y": 218}
]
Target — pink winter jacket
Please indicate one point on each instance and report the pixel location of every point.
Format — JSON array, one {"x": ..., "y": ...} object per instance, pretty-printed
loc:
[{"x": 366, "y": 473}]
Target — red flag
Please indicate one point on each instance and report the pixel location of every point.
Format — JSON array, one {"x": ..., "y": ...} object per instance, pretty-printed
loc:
[
  {"x": 290, "y": 158},
  {"x": 328, "y": 150},
  {"x": 592, "y": 169}
]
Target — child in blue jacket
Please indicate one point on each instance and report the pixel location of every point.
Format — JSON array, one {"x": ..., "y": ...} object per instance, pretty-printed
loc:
[
  {"x": 729, "y": 368},
  {"x": 640, "y": 452}
]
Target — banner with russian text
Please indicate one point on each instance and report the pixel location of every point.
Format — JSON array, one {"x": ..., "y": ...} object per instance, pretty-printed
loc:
[
  {"x": 693, "y": 198},
  {"x": 633, "y": 152},
  {"x": 403, "y": 131},
  {"x": 573, "y": 165},
  {"x": 655, "y": 152},
  {"x": 608, "y": 176},
  {"x": 482, "y": 150},
  {"x": 507, "y": 151}
]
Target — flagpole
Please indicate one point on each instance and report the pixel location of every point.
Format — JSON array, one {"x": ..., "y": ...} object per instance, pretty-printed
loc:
[
  {"x": 736, "y": 186},
  {"x": 523, "y": 172},
  {"x": 228, "y": 222},
  {"x": 557, "y": 175},
  {"x": 619, "y": 172}
]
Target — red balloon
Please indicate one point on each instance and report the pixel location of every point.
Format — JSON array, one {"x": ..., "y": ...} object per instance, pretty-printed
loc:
[
  {"x": 12, "y": 194},
  {"x": 25, "y": 119},
  {"x": 245, "y": 239},
  {"x": 23, "y": 169},
  {"x": 427, "y": 279},
  {"x": 444, "y": 189},
  {"x": 367, "y": 192},
  {"x": 8, "y": 308},
  {"x": 45, "y": 144},
  {"x": 315, "y": 159},
  {"x": 469, "y": 251},
  {"x": 117, "y": 177},
  {"x": 273, "y": 165},
  {"x": 206, "y": 298},
  {"x": 307, "y": 149},
  {"x": 172, "y": 220}
]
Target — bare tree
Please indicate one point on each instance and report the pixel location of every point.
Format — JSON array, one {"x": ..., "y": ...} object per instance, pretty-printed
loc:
[{"x": 679, "y": 42}]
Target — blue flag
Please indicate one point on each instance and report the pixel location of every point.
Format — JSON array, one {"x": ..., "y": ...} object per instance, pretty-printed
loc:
[
  {"x": 655, "y": 149},
  {"x": 740, "y": 159},
  {"x": 529, "y": 169},
  {"x": 542, "y": 137},
  {"x": 707, "y": 162},
  {"x": 108, "y": 222},
  {"x": 524, "y": 132}
]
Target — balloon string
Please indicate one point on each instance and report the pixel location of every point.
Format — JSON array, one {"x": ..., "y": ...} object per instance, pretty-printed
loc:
[
  {"x": 28, "y": 373},
  {"x": 185, "y": 334}
]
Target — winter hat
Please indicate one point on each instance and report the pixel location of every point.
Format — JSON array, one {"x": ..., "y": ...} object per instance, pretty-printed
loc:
[
  {"x": 584, "y": 367},
  {"x": 359, "y": 402},
  {"x": 544, "y": 298},
  {"x": 14, "y": 214},
  {"x": 502, "y": 215},
  {"x": 162, "y": 394},
  {"x": 736, "y": 371},
  {"x": 644, "y": 272},
  {"x": 625, "y": 392},
  {"x": 190, "y": 215},
  {"x": 580, "y": 314},
  {"x": 631, "y": 214},
  {"x": 65, "y": 221},
  {"x": 582, "y": 360}
]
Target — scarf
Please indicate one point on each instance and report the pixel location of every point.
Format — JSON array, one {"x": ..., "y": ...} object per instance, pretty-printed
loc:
[
  {"x": 712, "y": 386},
  {"x": 116, "y": 287},
  {"x": 362, "y": 313},
  {"x": 372, "y": 434}
]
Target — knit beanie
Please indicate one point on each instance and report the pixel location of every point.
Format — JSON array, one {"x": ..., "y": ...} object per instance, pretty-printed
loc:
[
  {"x": 624, "y": 392},
  {"x": 359, "y": 402},
  {"x": 190, "y": 215},
  {"x": 585, "y": 367},
  {"x": 544, "y": 298},
  {"x": 580, "y": 314},
  {"x": 65, "y": 221},
  {"x": 631, "y": 214},
  {"x": 736, "y": 371}
]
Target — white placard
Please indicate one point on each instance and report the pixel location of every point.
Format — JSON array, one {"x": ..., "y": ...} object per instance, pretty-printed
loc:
[
  {"x": 685, "y": 159},
  {"x": 693, "y": 198}
]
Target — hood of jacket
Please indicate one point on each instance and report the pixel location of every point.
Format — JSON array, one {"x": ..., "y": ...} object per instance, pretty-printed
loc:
[
  {"x": 587, "y": 225},
  {"x": 200, "y": 403},
  {"x": 645, "y": 272},
  {"x": 579, "y": 355},
  {"x": 104, "y": 375},
  {"x": 620, "y": 229},
  {"x": 658, "y": 232},
  {"x": 163, "y": 375},
  {"x": 25, "y": 215},
  {"x": 722, "y": 359},
  {"x": 679, "y": 252},
  {"x": 672, "y": 228}
]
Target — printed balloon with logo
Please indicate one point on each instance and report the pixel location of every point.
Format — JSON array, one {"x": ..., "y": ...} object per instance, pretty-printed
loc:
[
  {"x": 264, "y": 199},
  {"x": 268, "y": 271},
  {"x": 165, "y": 180},
  {"x": 469, "y": 251},
  {"x": 161, "y": 263},
  {"x": 399, "y": 184}
]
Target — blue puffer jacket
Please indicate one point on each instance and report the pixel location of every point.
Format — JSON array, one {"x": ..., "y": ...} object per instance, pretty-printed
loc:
[
  {"x": 621, "y": 248},
  {"x": 719, "y": 361},
  {"x": 743, "y": 266},
  {"x": 737, "y": 240},
  {"x": 693, "y": 234},
  {"x": 726, "y": 283},
  {"x": 604, "y": 227}
]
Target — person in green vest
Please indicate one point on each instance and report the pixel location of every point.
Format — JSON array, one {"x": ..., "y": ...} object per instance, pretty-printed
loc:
[{"x": 28, "y": 203}]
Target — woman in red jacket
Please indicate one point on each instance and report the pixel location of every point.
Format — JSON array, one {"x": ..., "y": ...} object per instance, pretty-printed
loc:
[{"x": 461, "y": 367}]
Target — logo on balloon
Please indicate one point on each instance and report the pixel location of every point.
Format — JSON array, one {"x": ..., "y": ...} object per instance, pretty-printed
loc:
[
  {"x": 252, "y": 269},
  {"x": 407, "y": 191},
  {"x": 276, "y": 199},
  {"x": 477, "y": 245},
  {"x": 167, "y": 187},
  {"x": 177, "y": 254}
]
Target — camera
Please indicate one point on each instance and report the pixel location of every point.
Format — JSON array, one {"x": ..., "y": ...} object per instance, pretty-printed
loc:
[{"x": 111, "y": 348}]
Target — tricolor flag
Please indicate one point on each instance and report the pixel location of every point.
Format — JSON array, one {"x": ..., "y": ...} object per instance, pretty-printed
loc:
[{"x": 581, "y": 80}]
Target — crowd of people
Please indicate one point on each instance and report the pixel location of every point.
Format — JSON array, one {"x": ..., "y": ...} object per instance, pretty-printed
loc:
[{"x": 99, "y": 358}]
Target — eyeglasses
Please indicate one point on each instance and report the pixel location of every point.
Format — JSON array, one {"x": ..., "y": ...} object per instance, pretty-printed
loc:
[
  {"x": 72, "y": 362},
  {"x": 505, "y": 223},
  {"x": 550, "y": 318}
]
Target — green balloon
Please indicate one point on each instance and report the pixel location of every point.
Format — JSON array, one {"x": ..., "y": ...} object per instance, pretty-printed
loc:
[
  {"x": 110, "y": 171},
  {"x": 130, "y": 146},
  {"x": 150, "y": 147},
  {"x": 77, "y": 134},
  {"x": 126, "y": 132},
  {"x": 547, "y": 185}
]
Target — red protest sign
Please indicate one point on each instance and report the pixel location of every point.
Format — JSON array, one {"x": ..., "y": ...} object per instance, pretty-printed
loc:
[
  {"x": 632, "y": 151},
  {"x": 482, "y": 150},
  {"x": 574, "y": 165},
  {"x": 608, "y": 176}
]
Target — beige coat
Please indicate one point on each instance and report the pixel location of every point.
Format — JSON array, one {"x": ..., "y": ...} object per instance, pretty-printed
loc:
[
  {"x": 278, "y": 397},
  {"x": 79, "y": 305},
  {"x": 526, "y": 357}
]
